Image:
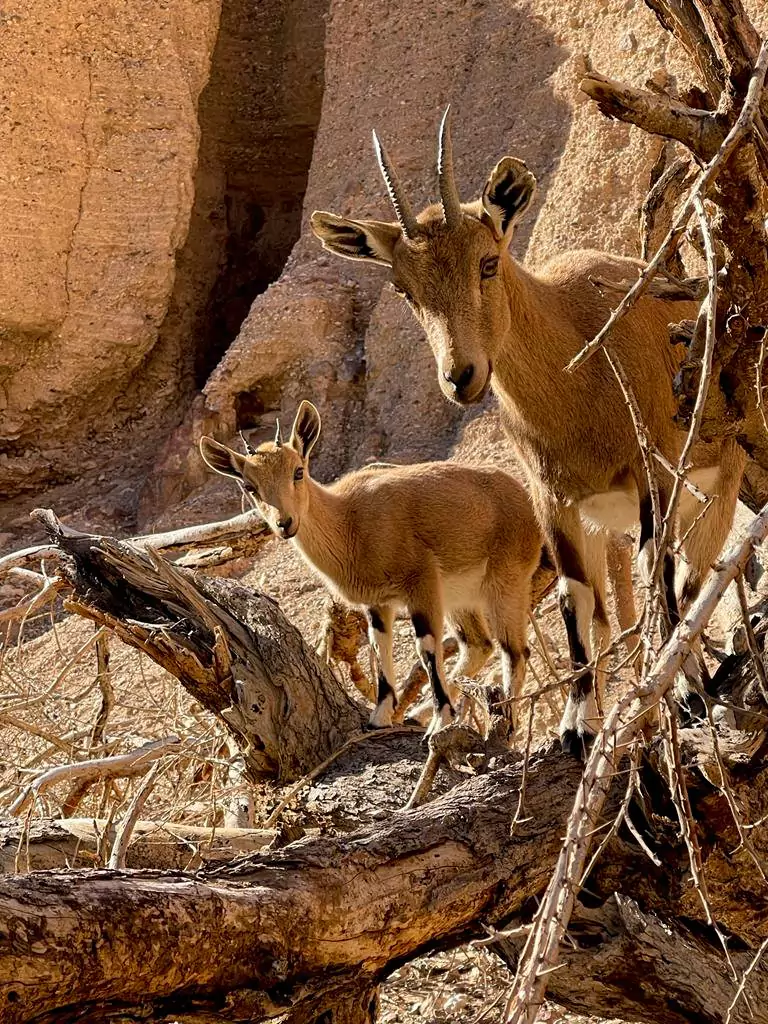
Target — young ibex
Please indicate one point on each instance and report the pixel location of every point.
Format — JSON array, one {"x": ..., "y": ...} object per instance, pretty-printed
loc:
[
  {"x": 490, "y": 321},
  {"x": 437, "y": 539}
]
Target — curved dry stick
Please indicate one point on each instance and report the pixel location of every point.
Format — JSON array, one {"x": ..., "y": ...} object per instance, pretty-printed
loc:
[{"x": 135, "y": 762}]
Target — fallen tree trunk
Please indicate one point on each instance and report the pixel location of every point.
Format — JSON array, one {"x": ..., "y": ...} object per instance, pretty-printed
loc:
[{"x": 317, "y": 925}]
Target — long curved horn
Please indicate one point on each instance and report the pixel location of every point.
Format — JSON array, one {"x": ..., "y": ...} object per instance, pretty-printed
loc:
[
  {"x": 449, "y": 193},
  {"x": 403, "y": 210}
]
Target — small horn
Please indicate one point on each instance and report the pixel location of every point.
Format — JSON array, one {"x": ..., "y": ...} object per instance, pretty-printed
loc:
[
  {"x": 403, "y": 210},
  {"x": 249, "y": 449},
  {"x": 278, "y": 435},
  {"x": 449, "y": 193}
]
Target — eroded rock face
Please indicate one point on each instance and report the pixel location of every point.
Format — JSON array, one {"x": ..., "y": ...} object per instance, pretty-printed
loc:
[
  {"x": 98, "y": 147},
  {"x": 153, "y": 161}
]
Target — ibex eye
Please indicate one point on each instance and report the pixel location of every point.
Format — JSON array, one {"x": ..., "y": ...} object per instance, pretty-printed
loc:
[
  {"x": 402, "y": 293},
  {"x": 298, "y": 475},
  {"x": 489, "y": 267}
]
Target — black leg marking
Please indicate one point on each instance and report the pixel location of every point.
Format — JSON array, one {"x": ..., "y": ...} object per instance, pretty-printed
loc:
[
  {"x": 568, "y": 559},
  {"x": 575, "y": 644},
  {"x": 376, "y": 621},
  {"x": 572, "y": 741},
  {"x": 669, "y": 589},
  {"x": 384, "y": 690},
  {"x": 421, "y": 625},
  {"x": 441, "y": 697},
  {"x": 646, "y": 521}
]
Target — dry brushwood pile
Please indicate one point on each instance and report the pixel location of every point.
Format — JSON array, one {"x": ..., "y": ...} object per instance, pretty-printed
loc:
[{"x": 198, "y": 826}]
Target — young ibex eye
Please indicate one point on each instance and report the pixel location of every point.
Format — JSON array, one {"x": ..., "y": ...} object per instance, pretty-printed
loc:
[
  {"x": 402, "y": 293},
  {"x": 489, "y": 266},
  {"x": 298, "y": 475}
]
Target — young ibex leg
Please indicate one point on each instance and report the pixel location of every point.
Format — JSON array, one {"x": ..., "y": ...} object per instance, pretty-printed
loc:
[
  {"x": 475, "y": 644},
  {"x": 380, "y": 622},
  {"x": 428, "y": 627},
  {"x": 508, "y": 609},
  {"x": 565, "y": 536}
]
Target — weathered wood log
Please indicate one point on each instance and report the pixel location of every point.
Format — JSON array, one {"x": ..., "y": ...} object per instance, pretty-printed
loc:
[
  {"x": 46, "y": 844},
  {"x": 321, "y": 922},
  {"x": 206, "y": 544},
  {"x": 230, "y": 647}
]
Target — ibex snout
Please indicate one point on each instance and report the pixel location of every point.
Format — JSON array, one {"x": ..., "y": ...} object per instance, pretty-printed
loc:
[
  {"x": 286, "y": 528},
  {"x": 465, "y": 383}
]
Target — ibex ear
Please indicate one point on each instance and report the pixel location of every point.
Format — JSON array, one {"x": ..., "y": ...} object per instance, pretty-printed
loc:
[
  {"x": 507, "y": 195},
  {"x": 220, "y": 458},
  {"x": 306, "y": 429},
  {"x": 372, "y": 240}
]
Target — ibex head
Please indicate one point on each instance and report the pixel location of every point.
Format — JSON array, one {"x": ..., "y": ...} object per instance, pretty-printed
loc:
[
  {"x": 275, "y": 474},
  {"x": 449, "y": 262}
]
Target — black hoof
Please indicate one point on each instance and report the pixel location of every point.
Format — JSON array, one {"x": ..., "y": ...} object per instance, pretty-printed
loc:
[{"x": 576, "y": 744}]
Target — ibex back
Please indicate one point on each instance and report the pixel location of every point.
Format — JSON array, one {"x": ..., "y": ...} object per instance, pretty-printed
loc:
[
  {"x": 491, "y": 322},
  {"x": 437, "y": 539}
]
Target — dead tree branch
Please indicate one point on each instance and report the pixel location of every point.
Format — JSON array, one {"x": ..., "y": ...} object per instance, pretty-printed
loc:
[{"x": 230, "y": 647}]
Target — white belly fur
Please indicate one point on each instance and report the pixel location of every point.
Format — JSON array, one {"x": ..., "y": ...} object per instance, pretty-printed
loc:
[
  {"x": 464, "y": 591},
  {"x": 617, "y": 511}
]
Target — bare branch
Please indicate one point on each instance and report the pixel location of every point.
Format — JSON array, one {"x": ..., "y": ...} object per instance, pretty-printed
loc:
[
  {"x": 699, "y": 190},
  {"x": 700, "y": 130},
  {"x": 135, "y": 762}
]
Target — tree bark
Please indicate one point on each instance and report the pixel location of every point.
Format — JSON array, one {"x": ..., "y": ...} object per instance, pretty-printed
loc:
[{"x": 326, "y": 919}]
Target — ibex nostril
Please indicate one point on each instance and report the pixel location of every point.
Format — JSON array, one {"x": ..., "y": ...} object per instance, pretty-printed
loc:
[
  {"x": 462, "y": 380},
  {"x": 285, "y": 524}
]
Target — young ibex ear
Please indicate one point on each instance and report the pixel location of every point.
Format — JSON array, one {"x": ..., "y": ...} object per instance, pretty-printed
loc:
[
  {"x": 306, "y": 429},
  {"x": 507, "y": 195},
  {"x": 372, "y": 240},
  {"x": 220, "y": 458}
]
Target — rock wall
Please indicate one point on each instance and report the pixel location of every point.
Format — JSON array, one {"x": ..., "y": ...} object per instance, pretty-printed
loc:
[
  {"x": 98, "y": 147},
  {"x": 153, "y": 162}
]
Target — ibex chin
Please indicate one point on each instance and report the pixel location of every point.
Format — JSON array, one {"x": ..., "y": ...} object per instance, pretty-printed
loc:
[
  {"x": 436, "y": 539},
  {"x": 492, "y": 322}
]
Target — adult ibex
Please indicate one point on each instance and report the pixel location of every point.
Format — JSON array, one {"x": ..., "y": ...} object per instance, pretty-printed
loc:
[
  {"x": 490, "y": 321},
  {"x": 434, "y": 539}
]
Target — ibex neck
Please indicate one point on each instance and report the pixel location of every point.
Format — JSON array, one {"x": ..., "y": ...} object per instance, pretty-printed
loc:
[
  {"x": 321, "y": 537},
  {"x": 529, "y": 362}
]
